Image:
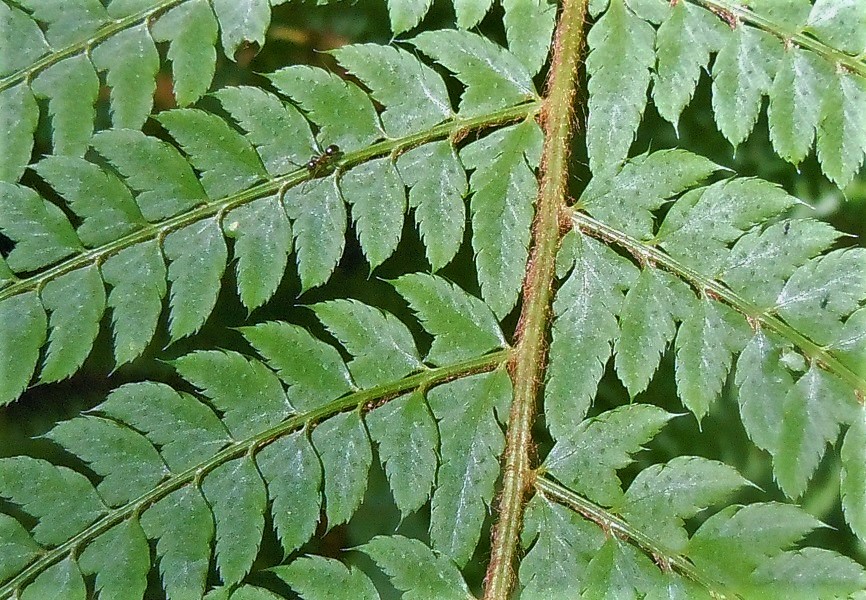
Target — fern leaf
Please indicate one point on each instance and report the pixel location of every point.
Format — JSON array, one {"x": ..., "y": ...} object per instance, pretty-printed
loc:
[
  {"x": 238, "y": 498},
  {"x": 408, "y": 439},
  {"x": 621, "y": 54},
  {"x": 389, "y": 355},
  {"x": 842, "y": 128},
  {"x": 197, "y": 257},
  {"x": 22, "y": 33},
  {"x": 406, "y": 14},
  {"x": 63, "y": 579},
  {"x": 191, "y": 30},
  {"x": 592, "y": 294},
  {"x": 551, "y": 530},
  {"x": 68, "y": 22},
  {"x": 462, "y": 325},
  {"x": 120, "y": 561},
  {"x": 384, "y": 70},
  {"x": 319, "y": 578},
  {"x": 344, "y": 449},
  {"x": 241, "y": 21},
  {"x": 851, "y": 343},
  {"x": 828, "y": 575},
  {"x": 841, "y": 23},
  {"x": 263, "y": 242},
  {"x": 661, "y": 496},
  {"x": 619, "y": 570},
  {"x": 470, "y": 447},
  {"x": 853, "y": 483},
  {"x": 586, "y": 460},
  {"x": 249, "y": 395},
  {"x": 76, "y": 302},
  {"x": 294, "y": 475},
  {"x": 415, "y": 570},
  {"x": 437, "y": 185},
  {"x": 19, "y": 549},
  {"x": 22, "y": 332},
  {"x": 528, "y": 27},
  {"x": 502, "y": 209},
  {"x": 19, "y": 115},
  {"x": 288, "y": 350},
  {"x": 481, "y": 66}
]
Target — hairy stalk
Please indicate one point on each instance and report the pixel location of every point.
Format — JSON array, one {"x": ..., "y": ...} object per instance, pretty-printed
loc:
[
  {"x": 616, "y": 526},
  {"x": 371, "y": 397},
  {"x": 527, "y": 365}
]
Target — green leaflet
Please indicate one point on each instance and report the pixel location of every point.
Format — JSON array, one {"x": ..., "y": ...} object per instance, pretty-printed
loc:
[
  {"x": 241, "y": 21},
  {"x": 840, "y": 23},
  {"x": 662, "y": 496},
  {"x": 132, "y": 61},
  {"x": 263, "y": 242},
  {"x": 621, "y": 54},
  {"x": 556, "y": 532},
  {"x": 386, "y": 355},
  {"x": 462, "y": 325},
  {"x": 19, "y": 549},
  {"x": 197, "y": 259},
  {"x": 62, "y": 580},
  {"x": 97, "y": 196},
  {"x": 742, "y": 74},
  {"x": 22, "y": 333},
  {"x": 344, "y": 449},
  {"x": 244, "y": 592},
  {"x": 708, "y": 338},
  {"x": 762, "y": 383},
  {"x": 294, "y": 476},
  {"x": 406, "y": 14},
  {"x": 415, "y": 569},
  {"x": 647, "y": 323},
  {"x": 120, "y": 559},
  {"x": 795, "y": 103},
  {"x": 127, "y": 462},
  {"x": 238, "y": 498},
  {"x": 437, "y": 185},
  {"x": 312, "y": 369},
  {"x": 853, "y": 483},
  {"x": 481, "y": 66},
  {"x": 823, "y": 291},
  {"x": 850, "y": 346},
  {"x": 683, "y": 45},
  {"x": 319, "y": 578},
  {"x": 619, "y": 570},
  {"x": 470, "y": 448},
  {"x": 19, "y": 116},
  {"x": 809, "y": 573},
  {"x": 279, "y": 132},
  {"x": 248, "y": 394},
  {"x": 6, "y": 274},
  {"x": 732, "y": 543},
  {"x": 378, "y": 201},
  {"x": 71, "y": 87},
  {"x": 644, "y": 183},
  {"x": 165, "y": 181},
  {"x": 504, "y": 189},
  {"x": 318, "y": 215},
  {"x": 761, "y": 261},
  {"x": 40, "y": 230},
  {"x": 21, "y": 32},
  {"x": 67, "y": 22},
  {"x": 470, "y": 12},
  {"x": 343, "y": 112},
  {"x": 584, "y": 330},
  {"x": 137, "y": 279},
  {"x": 191, "y": 29},
  {"x": 185, "y": 429},
  {"x": 408, "y": 440},
  {"x": 39, "y": 488},
  {"x": 812, "y": 413},
  {"x": 528, "y": 28},
  {"x": 587, "y": 459},
  {"x": 385, "y": 71},
  {"x": 841, "y": 139},
  {"x": 75, "y": 302},
  {"x": 183, "y": 525},
  {"x": 788, "y": 13},
  {"x": 226, "y": 161}
]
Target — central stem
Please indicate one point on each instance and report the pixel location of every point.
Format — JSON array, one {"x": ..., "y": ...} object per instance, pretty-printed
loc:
[{"x": 527, "y": 366}]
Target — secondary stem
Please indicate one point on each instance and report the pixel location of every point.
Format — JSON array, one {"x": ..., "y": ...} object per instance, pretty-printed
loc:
[{"x": 527, "y": 365}]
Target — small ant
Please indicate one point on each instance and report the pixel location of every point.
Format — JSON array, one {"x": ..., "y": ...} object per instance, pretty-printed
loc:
[{"x": 319, "y": 166}]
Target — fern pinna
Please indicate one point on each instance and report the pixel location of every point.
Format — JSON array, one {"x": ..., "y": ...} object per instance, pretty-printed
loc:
[{"x": 481, "y": 376}]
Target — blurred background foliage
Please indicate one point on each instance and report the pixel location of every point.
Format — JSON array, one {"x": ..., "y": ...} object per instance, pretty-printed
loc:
[{"x": 303, "y": 32}]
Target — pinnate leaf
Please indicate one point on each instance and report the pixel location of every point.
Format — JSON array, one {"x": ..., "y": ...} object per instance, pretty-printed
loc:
[
  {"x": 22, "y": 332},
  {"x": 120, "y": 559},
  {"x": 320, "y": 578}
]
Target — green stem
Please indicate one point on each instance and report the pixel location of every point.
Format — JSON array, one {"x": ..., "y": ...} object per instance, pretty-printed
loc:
[
  {"x": 454, "y": 128},
  {"x": 530, "y": 355},
  {"x": 719, "y": 291},
  {"x": 614, "y": 525},
  {"x": 251, "y": 445}
]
